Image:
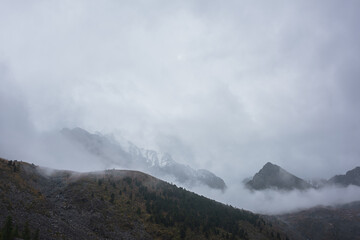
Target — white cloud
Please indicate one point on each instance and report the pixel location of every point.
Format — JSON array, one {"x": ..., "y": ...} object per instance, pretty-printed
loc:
[{"x": 278, "y": 202}]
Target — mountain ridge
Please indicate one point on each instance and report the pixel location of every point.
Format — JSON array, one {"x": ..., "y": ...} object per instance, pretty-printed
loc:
[
  {"x": 272, "y": 176},
  {"x": 128, "y": 155},
  {"x": 351, "y": 177}
]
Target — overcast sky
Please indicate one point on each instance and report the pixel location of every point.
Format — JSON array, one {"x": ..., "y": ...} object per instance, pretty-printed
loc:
[{"x": 226, "y": 86}]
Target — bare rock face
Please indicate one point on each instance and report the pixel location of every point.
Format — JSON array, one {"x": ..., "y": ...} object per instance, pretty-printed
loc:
[{"x": 272, "y": 176}]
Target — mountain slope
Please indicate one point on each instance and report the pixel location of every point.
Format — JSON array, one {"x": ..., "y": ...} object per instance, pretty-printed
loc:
[
  {"x": 118, "y": 205},
  {"x": 273, "y": 176},
  {"x": 351, "y": 177},
  {"x": 128, "y": 155},
  {"x": 326, "y": 223}
]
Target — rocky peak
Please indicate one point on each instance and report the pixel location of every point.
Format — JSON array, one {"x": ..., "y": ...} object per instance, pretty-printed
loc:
[
  {"x": 275, "y": 177},
  {"x": 270, "y": 169}
]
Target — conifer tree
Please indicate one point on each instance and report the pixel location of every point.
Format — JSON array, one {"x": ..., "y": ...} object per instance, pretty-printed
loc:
[
  {"x": 7, "y": 230},
  {"x": 36, "y": 235},
  {"x": 16, "y": 231},
  {"x": 26, "y": 233},
  {"x": 112, "y": 198}
]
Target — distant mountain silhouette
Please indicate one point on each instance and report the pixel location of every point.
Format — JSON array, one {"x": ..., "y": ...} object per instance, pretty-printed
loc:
[
  {"x": 351, "y": 177},
  {"x": 273, "y": 176},
  {"x": 128, "y": 155}
]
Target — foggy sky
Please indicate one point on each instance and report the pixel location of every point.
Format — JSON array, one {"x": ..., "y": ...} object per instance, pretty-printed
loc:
[{"x": 226, "y": 86}]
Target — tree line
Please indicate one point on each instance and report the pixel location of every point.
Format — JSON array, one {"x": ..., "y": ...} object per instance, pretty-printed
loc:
[{"x": 10, "y": 231}]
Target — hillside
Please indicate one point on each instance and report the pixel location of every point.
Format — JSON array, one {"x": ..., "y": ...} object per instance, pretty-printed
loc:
[
  {"x": 326, "y": 223},
  {"x": 273, "y": 176},
  {"x": 117, "y": 204}
]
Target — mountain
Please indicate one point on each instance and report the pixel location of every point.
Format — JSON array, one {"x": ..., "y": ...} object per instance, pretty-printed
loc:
[
  {"x": 127, "y": 155},
  {"x": 273, "y": 176},
  {"x": 115, "y": 204},
  {"x": 351, "y": 177},
  {"x": 326, "y": 222}
]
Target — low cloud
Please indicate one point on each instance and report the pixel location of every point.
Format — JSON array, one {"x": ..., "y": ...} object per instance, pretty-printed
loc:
[{"x": 279, "y": 202}]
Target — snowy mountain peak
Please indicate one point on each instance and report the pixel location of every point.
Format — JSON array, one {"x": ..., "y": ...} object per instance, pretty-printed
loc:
[
  {"x": 151, "y": 157},
  {"x": 128, "y": 155},
  {"x": 165, "y": 159}
]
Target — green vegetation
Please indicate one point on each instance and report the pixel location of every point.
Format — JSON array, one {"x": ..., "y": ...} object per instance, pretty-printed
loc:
[
  {"x": 8, "y": 231},
  {"x": 113, "y": 204},
  {"x": 189, "y": 211}
]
